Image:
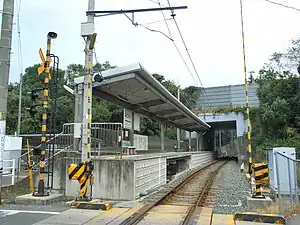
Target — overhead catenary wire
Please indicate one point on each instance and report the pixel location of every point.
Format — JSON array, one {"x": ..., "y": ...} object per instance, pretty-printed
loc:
[
  {"x": 191, "y": 60},
  {"x": 170, "y": 33},
  {"x": 174, "y": 43},
  {"x": 189, "y": 55},
  {"x": 20, "y": 62},
  {"x": 283, "y": 5}
]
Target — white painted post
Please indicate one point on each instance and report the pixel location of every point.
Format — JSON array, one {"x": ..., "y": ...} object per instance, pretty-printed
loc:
[{"x": 13, "y": 172}]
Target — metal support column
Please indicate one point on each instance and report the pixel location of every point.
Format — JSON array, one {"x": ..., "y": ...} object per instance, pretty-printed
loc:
[
  {"x": 178, "y": 130},
  {"x": 190, "y": 140},
  {"x": 215, "y": 140},
  {"x": 220, "y": 139},
  {"x": 5, "y": 50},
  {"x": 132, "y": 130},
  {"x": 162, "y": 137},
  {"x": 281, "y": 207},
  {"x": 87, "y": 96},
  {"x": 197, "y": 142},
  {"x": 200, "y": 140}
]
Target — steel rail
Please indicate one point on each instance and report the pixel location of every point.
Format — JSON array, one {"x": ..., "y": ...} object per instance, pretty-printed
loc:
[
  {"x": 140, "y": 214},
  {"x": 189, "y": 217}
]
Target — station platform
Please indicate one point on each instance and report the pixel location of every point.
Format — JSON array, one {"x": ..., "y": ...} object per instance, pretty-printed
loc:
[
  {"x": 164, "y": 214},
  {"x": 168, "y": 155},
  {"x": 129, "y": 177}
]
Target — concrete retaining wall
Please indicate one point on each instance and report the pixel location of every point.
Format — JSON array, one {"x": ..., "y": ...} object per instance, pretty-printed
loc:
[
  {"x": 199, "y": 159},
  {"x": 124, "y": 179},
  {"x": 149, "y": 174}
]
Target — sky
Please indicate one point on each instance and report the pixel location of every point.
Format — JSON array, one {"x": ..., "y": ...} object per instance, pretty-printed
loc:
[{"x": 210, "y": 28}]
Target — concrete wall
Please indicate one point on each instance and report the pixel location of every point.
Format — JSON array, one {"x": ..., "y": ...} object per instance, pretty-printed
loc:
[
  {"x": 124, "y": 179},
  {"x": 149, "y": 174},
  {"x": 154, "y": 144},
  {"x": 114, "y": 179},
  {"x": 241, "y": 123},
  {"x": 198, "y": 159}
]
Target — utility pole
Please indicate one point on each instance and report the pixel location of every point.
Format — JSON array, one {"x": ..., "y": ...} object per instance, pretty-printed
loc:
[
  {"x": 178, "y": 130},
  {"x": 87, "y": 96},
  {"x": 251, "y": 77},
  {"x": 5, "y": 46}
]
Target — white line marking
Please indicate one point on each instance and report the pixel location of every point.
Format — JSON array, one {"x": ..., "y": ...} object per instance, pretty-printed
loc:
[
  {"x": 11, "y": 212},
  {"x": 238, "y": 205},
  {"x": 8, "y": 213}
]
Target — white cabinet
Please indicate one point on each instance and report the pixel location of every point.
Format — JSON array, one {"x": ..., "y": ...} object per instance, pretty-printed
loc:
[{"x": 283, "y": 168}]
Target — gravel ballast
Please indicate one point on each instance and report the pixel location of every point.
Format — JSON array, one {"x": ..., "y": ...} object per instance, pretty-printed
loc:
[{"x": 231, "y": 190}]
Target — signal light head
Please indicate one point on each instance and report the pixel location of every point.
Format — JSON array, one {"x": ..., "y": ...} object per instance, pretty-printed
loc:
[
  {"x": 98, "y": 77},
  {"x": 52, "y": 35}
]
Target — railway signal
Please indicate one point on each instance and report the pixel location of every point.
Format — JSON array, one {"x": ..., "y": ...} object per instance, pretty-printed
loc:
[
  {"x": 34, "y": 94},
  {"x": 44, "y": 68}
]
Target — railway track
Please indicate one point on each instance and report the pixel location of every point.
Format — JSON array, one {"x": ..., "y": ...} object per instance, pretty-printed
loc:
[{"x": 182, "y": 202}]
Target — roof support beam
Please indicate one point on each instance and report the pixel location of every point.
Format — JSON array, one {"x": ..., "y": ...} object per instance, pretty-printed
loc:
[
  {"x": 164, "y": 112},
  {"x": 189, "y": 125},
  {"x": 138, "y": 109},
  {"x": 151, "y": 103},
  {"x": 176, "y": 117}
]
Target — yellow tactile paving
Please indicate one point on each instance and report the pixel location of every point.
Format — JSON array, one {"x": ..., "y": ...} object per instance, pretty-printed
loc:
[
  {"x": 204, "y": 217},
  {"x": 220, "y": 219},
  {"x": 113, "y": 216},
  {"x": 165, "y": 214}
]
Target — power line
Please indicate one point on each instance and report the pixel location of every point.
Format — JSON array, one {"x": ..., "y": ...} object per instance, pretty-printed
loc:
[
  {"x": 175, "y": 45},
  {"x": 283, "y": 5},
  {"x": 189, "y": 55},
  {"x": 147, "y": 28},
  {"x": 20, "y": 61},
  {"x": 153, "y": 1},
  {"x": 182, "y": 58},
  {"x": 158, "y": 31},
  {"x": 157, "y": 21},
  {"x": 20, "y": 55}
]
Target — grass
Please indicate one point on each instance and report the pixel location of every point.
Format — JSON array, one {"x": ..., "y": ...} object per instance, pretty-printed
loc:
[{"x": 289, "y": 213}]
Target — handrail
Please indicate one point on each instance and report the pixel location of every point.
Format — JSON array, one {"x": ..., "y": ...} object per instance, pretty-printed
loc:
[
  {"x": 55, "y": 136},
  {"x": 284, "y": 155}
]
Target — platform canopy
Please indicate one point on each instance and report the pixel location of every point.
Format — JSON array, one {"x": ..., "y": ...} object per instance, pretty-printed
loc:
[{"x": 132, "y": 87}]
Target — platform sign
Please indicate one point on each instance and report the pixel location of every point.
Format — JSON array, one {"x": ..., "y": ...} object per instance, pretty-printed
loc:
[
  {"x": 140, "y": 142},
  {"x": 127, "y": 120}
]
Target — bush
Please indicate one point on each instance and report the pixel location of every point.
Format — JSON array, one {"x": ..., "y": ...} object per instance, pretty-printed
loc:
[{"x": 260, "y": 144}]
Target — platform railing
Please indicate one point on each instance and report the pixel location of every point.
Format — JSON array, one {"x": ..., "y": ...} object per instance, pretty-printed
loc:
[
  {"x": 291, "y": 175},
  {"x": 9, "y": 171},
  {"x": 105, "y": 137}
]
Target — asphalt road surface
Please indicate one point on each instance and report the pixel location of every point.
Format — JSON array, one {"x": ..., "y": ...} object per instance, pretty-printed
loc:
[{"x": 27, "y": 215}]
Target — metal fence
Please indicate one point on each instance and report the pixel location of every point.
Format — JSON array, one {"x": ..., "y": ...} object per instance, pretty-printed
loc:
[
  {"x": 287, "y": 180},
  {"x": 108, "y": 135},
  {"x": 105, "y": 139}
]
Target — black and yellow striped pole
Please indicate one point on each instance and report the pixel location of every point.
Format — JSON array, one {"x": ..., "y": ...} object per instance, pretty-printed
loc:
[
  {"x": 84, "y": 171},
  {"x": 88, "y": 163},
  {"x": 246, "y": 91},
  {"x": 261, "y": 175},
  {"x": 46, "y": 68}
]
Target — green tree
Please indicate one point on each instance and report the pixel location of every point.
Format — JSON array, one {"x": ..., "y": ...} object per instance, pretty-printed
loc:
[{"x": 191, "y": 95}]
